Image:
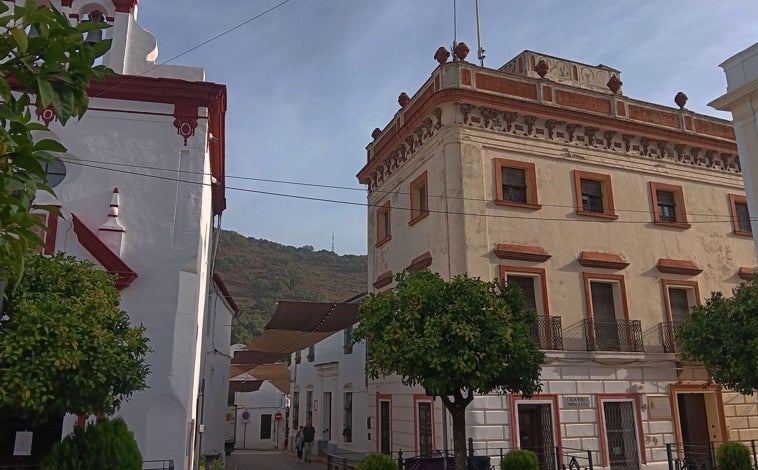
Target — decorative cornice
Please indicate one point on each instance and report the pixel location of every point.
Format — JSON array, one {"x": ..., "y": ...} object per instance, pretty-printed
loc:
[
  {"x": 595, "y": 259},
  {"x": 678, "y": 266},
  {"x": 110, "y": 260},
  {"x": 746, "y": 273},
  {"x": 521, "y": 252},
  {"x": 420, "y": 262},
  {"x": 569, "y": 134},
  {"x": 125, "y": 6},
  {"x": 383, "y": 280}
]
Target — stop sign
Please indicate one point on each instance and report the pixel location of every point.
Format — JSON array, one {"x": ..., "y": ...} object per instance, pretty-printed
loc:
[{"x": 278, "y": 416}]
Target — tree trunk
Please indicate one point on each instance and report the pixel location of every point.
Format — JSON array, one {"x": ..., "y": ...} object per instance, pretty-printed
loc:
[
  {"x": 459, "y": 436},
  {"x": 457, "y": 411}
]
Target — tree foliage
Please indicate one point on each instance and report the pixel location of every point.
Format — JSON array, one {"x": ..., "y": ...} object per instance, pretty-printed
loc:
[
  {"x": 51, "y": 67},
  {"x": 454, "y": 339},
  {"x": 105, "y": 444},
  {"x": 723, "y": 335},
  {"x": 65, "y": 345}
]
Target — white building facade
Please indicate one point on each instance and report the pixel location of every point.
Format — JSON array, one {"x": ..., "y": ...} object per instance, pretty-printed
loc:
[{"x": 139, "y": 189}]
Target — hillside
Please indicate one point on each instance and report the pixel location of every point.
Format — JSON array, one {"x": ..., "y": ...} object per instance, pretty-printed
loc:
[{"x": 260, "y": 272}]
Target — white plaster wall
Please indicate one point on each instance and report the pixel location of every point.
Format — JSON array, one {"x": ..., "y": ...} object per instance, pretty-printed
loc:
[
  {"x": 266, "y": 400},
  {"x": 166, "y": 242},
  {"x": 350, "y": 377},
  {"x": 216, "y": 362}
]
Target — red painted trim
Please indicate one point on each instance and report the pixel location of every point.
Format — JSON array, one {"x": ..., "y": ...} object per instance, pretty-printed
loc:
[
  {"x": 601, "y": 423},
  {"x": 666, "y": 283},
  {"x": 746, "y": 273},
  {"x": 521, "y": 252},
  {"x": 702, "y": 388},
  {"x": 420, "y": 262},
  {"x": 110, "y": 260},
  {"x": 81, "y": 421},
  {"x": 678, "y": 266},
  {"x": 540, "y": 273},
  {"x": 52, "y": 232},
  {"x": 596, "y": 259},
  {"x": 555, "y": 411},
  {"x": 384, "y": 279},
  {"x": 125, "y": 6},
  {"x": 421, "y": 397},
  {"x": 225, "y": 292}
]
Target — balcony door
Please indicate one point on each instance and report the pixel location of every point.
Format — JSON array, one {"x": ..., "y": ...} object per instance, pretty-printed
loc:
[{"x": 604, "y": 316}]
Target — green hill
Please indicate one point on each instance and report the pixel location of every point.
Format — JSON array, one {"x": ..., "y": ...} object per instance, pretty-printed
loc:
[{"x": 260, "y": 272}]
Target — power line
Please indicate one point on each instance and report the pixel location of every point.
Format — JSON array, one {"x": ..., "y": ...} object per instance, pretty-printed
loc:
[
  {"x": 401, "y": 208},
  {"x": 348, "y": 188},
  {"x": 198, "y": 46}
]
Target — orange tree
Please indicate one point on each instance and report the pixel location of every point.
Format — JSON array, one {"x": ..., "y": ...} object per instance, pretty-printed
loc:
[
  {"x": 455, "y": 339},
  {"x": 44, "y": 61},
  {"x": 65, "y": 345},
  {"x": 723, "y": 336}
]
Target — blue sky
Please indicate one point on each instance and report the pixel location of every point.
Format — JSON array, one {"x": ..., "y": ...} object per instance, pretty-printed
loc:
[{"x": 309, "y": 81}]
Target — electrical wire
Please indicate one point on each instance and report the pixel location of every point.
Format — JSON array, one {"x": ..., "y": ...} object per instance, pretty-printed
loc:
[
  {"x": 198, "y": 46},
  {"x": 728, "y": 219},
  {"x": 347, "y": 188}
]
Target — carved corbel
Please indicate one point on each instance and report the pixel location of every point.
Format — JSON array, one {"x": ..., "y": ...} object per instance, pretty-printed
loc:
[
  {"x": 419, "y": 134},
  {"x": 510, "y": 118},
  {"x": 410, "y": 140},
  {"x": 729, "y": 162},
  {"x": 679, "y": 149},
  {"x": 185, "y": 119},
  {"x": 402, "y": 152},
  {"x": 608, "y": 136},
  {"x": 466, "y": 111},
  {"x": 627, "y": 138},
  {"x": 590, "y": 132},
  {"x": 570, "y": 130},
  {"x": 644, "y": 145},
  {"x": 426, "y": 124},
  {"x": 529, "y": 121},
  {"x": 550, "y": 126},
  {"x": 661, "y": 144},
  {"x": 437, "y": 113}
]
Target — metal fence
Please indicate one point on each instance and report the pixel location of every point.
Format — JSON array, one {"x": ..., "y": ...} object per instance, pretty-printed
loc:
[
  {"x": 613, "y": 335},
  {"x": 688, "y": 456},
  {"x": 551, "y": 458},
  {"x": 548, "y": 333}
]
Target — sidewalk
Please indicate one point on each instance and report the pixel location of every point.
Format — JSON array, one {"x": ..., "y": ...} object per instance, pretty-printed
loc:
[{"x": 269, "y": 460}]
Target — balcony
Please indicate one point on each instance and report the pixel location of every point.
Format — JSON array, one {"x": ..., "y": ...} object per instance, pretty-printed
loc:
[
  {"x": 613, "y": 335},
  {"x": 547, "y": 333},
  {"x": 668, "y": 338}
]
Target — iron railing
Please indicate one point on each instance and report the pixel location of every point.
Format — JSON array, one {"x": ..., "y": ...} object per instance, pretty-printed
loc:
[
  {"x": 688, "y": 456},
  {"x": 668, "y": 336},
  {"x": 613, "y": 335},
  {"x": 547, "y": 333}
]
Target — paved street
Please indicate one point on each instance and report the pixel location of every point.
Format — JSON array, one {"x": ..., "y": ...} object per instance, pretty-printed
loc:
[{"x": 268, "y": 460}]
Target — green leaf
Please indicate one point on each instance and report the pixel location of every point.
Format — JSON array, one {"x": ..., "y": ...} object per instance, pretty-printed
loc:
[
  {"x": 20, "y": 37},
  {"x": 49, "y": 145}
]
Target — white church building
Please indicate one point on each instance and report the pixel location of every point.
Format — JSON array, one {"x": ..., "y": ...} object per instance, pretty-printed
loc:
[{"x": 139, "y": 191}]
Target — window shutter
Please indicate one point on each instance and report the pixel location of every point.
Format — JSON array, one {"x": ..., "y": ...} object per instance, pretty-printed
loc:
[{"x": 603, "y": 306}]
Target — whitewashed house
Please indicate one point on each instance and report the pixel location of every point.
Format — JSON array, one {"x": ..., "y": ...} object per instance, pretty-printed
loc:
[{"x": 139, "y": 190}]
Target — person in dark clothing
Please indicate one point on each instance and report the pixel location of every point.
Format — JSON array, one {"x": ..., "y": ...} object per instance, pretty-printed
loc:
[{"x": 309, "y": 434}]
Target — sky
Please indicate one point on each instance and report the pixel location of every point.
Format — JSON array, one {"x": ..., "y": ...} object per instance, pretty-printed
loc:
[{"x": 309, "y": 81}]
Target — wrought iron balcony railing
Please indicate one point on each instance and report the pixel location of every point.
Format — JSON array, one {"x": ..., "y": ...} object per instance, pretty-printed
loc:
[
  {"x": 613, "y": 335},
  {"x": 548, "y": 333},
  {"x": 668, "y": 338}
]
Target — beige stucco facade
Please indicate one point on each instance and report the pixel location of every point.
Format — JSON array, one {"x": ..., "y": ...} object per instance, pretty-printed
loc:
[{"x": 461, "y": 129}]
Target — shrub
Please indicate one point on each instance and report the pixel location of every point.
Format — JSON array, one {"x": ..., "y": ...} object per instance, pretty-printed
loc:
[
  {"x": 377, "y": 462},
  {"x": 107, "y": 444},
  {"x": 733, "y": 456},
  {"x": 520, "y": 460}
]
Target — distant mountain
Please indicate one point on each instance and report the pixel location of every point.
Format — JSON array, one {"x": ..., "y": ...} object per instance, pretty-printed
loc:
[{"x": 260, "y": 272}]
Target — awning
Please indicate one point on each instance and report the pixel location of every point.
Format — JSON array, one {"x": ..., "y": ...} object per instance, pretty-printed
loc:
[
  {"x": 278, "y": 374},
  {"x": 298, "y": 325}
]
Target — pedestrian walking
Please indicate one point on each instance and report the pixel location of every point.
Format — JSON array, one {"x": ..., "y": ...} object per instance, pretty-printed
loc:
[
  {"x": 299, "y": 443},
  {"x": 309, "y": 434}
]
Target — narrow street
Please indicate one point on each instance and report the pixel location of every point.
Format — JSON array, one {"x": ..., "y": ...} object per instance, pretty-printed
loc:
[{"x": 268, "y": 460}]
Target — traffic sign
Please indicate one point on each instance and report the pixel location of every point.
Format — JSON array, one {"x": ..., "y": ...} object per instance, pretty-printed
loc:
[{"x": 278, "y": 416}]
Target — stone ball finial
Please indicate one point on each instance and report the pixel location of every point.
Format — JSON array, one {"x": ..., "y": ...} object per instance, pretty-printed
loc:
[
  {"x": 403, "y": 99},
  {"x": 442, "y": 55},
  {"x": 377, "y": 132},
  {"x": 614, "y": 84},
  {"x": 681, "y": 99},
  {"x": 541, "y": 68},
  {"x": 461, "y": 51}
]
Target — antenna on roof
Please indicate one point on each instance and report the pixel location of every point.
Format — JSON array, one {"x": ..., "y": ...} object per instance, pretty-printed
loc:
[
  {"x": 455, "y": 30},
  {"x": 480, "y": 51}
]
